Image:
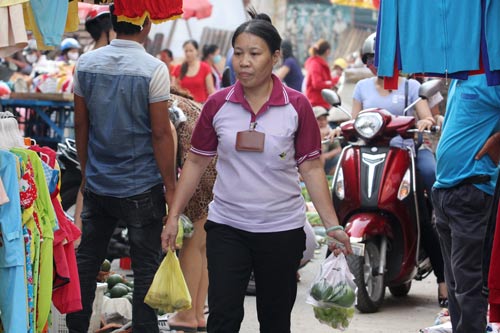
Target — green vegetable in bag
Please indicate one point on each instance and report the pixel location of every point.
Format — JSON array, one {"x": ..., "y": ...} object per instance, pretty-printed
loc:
[
  {"x": 334, "y": 317},
  {"x": 341, "y": 294},
  {"x": 187, "y": 226}
]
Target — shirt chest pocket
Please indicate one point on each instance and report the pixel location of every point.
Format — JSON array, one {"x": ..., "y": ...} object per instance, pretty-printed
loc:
[{"x": 280, "y": 152}]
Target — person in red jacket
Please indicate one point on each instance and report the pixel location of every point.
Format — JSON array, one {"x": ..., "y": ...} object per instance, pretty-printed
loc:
[{"x": 318, "y": 73}]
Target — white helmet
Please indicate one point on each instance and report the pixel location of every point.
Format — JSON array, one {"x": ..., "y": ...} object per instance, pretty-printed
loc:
[
  {"x": 368, "y": 47},
  {"x": 69, "y": 43}
]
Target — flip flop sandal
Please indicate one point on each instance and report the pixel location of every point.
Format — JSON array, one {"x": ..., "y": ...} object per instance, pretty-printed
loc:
[{"x": 180, "y": 328}]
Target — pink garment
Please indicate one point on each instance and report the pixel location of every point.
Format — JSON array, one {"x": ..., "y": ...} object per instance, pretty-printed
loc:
[
  {"x": 13, "y": 36},
  {"x": 3, "y": 195}
]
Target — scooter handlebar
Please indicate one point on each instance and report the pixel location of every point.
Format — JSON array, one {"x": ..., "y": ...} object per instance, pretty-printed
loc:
[{"x": 434, "y": 129}]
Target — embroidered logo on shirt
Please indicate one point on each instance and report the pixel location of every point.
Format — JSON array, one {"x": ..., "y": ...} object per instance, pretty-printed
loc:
[{"x": 283, "y": 155}]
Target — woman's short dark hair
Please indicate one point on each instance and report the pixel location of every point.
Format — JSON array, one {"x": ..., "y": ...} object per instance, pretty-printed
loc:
[
  {"x": 100, "y": 24},
  {"x": 122, "y": 27},
  {"x": 261, "y": 26},
  {"x": 286, "y": 49},
  {"x": 208, "y": 49},
  {"x": 168, "y": 52},
  {"x": 184, "y": 66}
]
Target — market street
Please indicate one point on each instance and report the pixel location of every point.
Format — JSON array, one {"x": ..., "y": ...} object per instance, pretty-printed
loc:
[{"x": 397, "y": 315}]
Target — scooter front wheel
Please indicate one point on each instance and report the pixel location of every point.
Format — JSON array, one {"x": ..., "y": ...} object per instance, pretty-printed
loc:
[
  {"x": 370, "y": 283},
  {"x": 400, "y": 290}
]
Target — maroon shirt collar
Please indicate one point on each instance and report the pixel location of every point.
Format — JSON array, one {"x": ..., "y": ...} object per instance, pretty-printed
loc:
[{"x": 279, "y": 95}]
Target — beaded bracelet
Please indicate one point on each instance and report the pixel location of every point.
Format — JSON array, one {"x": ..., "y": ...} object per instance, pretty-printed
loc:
[{"x": 333, "y": 228}]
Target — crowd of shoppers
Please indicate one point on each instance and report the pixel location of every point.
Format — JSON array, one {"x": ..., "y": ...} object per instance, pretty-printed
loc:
[{"x": 130, "y": 173}]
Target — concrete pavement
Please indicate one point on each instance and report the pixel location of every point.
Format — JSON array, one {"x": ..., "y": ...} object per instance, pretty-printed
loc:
[{"x": 397, "y": 315}]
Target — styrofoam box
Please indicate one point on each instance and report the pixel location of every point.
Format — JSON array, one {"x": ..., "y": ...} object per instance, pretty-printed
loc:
[{"x": 59, "y": 320}]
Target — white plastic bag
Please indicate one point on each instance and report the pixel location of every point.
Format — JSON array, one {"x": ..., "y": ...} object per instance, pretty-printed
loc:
[{"x": 333, "y": 293}]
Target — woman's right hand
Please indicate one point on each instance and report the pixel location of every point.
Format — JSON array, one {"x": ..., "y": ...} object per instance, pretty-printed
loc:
[
  {"x": 169, "y": 232},
  {"x": 334, "y": 133},
  {"x": 425, "y": 124}
]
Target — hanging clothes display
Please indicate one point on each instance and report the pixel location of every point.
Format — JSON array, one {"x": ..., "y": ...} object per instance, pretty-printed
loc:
[
  {"x": 13, "y": 35},
  {"x": 13, "y": 300},
  {"x": 3, "y": 194},
  {"x": 41, "y": 267},
  {"x": 66, "y": 284},
  {"x": 49, "y": 19},
  {"x": 438, "y": 43}
]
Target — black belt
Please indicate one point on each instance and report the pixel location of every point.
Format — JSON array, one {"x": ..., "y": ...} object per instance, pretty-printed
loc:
[{"x": 478, "y": 179}]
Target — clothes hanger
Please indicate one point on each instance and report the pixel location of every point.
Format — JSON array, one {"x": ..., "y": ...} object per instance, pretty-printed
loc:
[{"x": 10, "y": 136}]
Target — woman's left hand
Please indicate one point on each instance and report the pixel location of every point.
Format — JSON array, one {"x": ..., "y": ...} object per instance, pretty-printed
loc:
[
  {"x": 342, "y": 237},
  {"x": 425, "y": 124}
]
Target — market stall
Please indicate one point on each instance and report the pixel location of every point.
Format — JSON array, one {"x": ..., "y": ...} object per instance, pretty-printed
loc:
[{"x": 46, "y": 118}]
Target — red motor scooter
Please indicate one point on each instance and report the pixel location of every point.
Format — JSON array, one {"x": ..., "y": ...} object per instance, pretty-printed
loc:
[{"x": 374, "y": 193}]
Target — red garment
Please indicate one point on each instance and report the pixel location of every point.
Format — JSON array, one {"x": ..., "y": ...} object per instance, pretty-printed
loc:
[
  {"x": 391, "y": 83},
  {"x": 28, "y": 192},
  {"x": 159, "y": 10},
  {"x": 494, "y": 275},
  {"x": 61, "y": 236},
  {"x": 196, "y": 85},
  {"x": 66, "y": 294},
  {"x": 318, "y": 78},
  {"x": 47, "y": 154}
]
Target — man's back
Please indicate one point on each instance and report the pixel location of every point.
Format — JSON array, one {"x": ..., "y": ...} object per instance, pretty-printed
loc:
[{"x": 118, "y": 82}]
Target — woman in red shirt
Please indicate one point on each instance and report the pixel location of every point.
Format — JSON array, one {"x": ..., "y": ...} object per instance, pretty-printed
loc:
[
  {"x": 194, "y": 75},
  {"x": 318, "y": 74}
]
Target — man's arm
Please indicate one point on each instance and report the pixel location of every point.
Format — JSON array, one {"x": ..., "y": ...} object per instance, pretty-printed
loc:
[
  {"x": 81, "y": 132},
  {"x": 163, "y": 145},
  {"x": 491, "y": 148}
]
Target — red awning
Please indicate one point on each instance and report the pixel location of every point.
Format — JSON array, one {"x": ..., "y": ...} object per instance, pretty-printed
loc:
[
  {"x": 196, "y": 8},
  {"x": 83, "y": 10},
  {"x": 135, "y": 11}
]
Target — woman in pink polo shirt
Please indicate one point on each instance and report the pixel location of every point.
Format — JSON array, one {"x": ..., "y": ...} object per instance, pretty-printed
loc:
[{"x": 264, "y": 135}]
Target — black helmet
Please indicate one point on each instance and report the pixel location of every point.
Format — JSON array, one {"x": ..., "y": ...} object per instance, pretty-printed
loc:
[{"x": 368, "y": 48}]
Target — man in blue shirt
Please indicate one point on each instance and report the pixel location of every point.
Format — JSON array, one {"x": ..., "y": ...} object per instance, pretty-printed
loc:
[
  {"x": 126, "y": 151},
  {"x": 462, "y": 194}
]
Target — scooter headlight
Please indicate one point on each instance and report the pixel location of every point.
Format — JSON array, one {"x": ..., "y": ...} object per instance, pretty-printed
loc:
[
  {"x": 338, "y": 185},
  {"x": 368, "y": 124},
  {"x": 405, "y": 186}
]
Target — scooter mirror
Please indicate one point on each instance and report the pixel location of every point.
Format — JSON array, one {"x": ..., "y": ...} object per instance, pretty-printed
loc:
[
  {"x": 430, "y": 88},
  {"x": 226, "y": 77},
  {"x": 331, "y": 97}
]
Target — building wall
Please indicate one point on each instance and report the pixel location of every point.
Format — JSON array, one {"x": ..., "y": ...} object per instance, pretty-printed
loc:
[{"x": 304, "y": 22}]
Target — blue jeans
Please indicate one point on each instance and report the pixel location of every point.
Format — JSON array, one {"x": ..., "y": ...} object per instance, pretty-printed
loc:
[
  {"x": 426, "y": 167},
  {"x": 142, "y": 214}
]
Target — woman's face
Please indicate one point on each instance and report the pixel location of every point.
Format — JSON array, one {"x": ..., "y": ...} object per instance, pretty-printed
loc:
[
  {"x": 190, "y": 52},
  {"x": 252, "y": 60},
  {"x": 370, "y": 63},
  {"x": 215, "y": 57}
]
